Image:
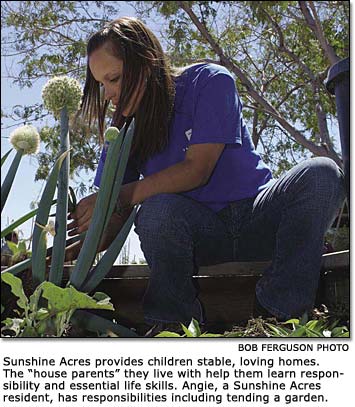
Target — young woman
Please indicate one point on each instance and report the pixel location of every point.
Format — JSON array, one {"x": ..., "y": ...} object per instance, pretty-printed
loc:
[{"x": 206, "y": 196}]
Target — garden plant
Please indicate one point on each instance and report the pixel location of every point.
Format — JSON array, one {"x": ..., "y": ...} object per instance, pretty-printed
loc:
[{"x": 51, "y": 307}]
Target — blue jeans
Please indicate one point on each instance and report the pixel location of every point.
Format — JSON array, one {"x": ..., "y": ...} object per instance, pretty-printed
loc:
[{"x": 284, "y": 223}]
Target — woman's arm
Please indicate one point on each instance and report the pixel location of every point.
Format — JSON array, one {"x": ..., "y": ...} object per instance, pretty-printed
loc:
[
  {"x": 193, "y": 172},
  {"x": 186, "y": 175}
]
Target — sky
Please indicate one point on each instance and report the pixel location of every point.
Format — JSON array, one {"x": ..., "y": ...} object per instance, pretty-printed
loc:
[{"x": 25, "y": 190}]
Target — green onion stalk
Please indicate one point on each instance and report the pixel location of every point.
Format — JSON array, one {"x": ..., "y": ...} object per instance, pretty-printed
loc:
[
  {"x": 112, "y": 177},
  {"x": 61, "y": 96},
  {"x": 38, "y": 254},
  {"x": 57, "y": 263}
]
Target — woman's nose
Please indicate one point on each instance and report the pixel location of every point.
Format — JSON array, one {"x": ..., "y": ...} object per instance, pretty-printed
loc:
[{"x": 109, "y": 94}]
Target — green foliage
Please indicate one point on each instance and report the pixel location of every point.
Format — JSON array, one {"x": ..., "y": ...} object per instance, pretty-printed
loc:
[
  {"x": 320, "y": 328},
  {"x": 38, "y": 259},
  {"x": 192, "y": 331},
  {"x": 272, "y": 44},
  {"x": 49, "y": 309},
  {"x": 20, "y": 221},
  {"x": 3, "y": 159},
  {"x": 19, "y": 252},
  {"x": 101, "y": 326},
  {"x": 62, "y": 304},
  {"x": 10, "y": 176},
  {"x": 61, "y": 215},
  {"x": 113, "y": 172},
  {"x": 84, "y": 155}
]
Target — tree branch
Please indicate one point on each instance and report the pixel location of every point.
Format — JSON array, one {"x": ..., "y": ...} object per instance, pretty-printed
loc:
[
  {"x": 229, "y": 64},
  {"x": 315, "y": 25}
]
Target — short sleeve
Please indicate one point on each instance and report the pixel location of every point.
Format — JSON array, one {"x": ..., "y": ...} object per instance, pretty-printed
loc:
[
  {"x": 131, "y": 173},
  {"x": 217, "y": 113}
]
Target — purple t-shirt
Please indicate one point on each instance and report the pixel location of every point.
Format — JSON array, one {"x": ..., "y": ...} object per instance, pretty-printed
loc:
[{"x": 207, "y": 109}]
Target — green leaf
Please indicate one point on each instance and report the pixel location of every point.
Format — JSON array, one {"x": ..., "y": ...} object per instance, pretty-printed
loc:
[
  {"x": 210, "y": 335},
  {"x": 29, "y": 332},
  {"x": 99, "y": 272},
  {"x": 298, "y": 332},
  {"x": 16, "y": 288},
  {"x": 71, "y": 200},
  {"x": 42, "y": 215},
  {"x": 339, "y": 331},
  {"x": 277, "y": 330},
  {"x": 304, "y": 319},
  {"x": 39, "y": 262},
  {"x": 293, "y": 321},
  {"x": 99, "y": 296},
  {"x": 236, "y": 334},
  {"x": 188, "y": 333},
  {"x": 93, "y": 236},
  {"x": 34, "y": 299},
  {"x": 13, "y": 247},
  {"x": 22, "y": 247},
  {"x": 20, "y": 221},
  {"x": 64, "y": 299},
  {"x": 95, "y": 323},
  {"x": 58, "y": 254},
  {"x": 10, "y": 176},
  {"x": 19, "y": 267},
  {"x": 167, "y": 334},
  {"x": 121, "y": 168},
  {"x": 313, "y": 334},
  {"x": 194, "y": 328},
  {"x": 333, "y": 325},
  {"x": 41, "y": 314},
  {"x": 316, "y": 325},
  {"x": 113, "y": 173},
  {"x": 345, "y": 334},
  {"x": 3, "y": 158}
]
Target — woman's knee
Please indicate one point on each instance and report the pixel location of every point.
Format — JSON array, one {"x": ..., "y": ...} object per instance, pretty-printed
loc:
[{"x": 325, "y": 177}]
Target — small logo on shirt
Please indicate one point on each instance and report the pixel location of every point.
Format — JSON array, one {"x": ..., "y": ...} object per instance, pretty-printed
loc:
[{"x": 188, "y": 134}]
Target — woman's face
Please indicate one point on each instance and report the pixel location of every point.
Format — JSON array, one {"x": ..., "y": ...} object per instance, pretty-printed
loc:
[{"x": 108, "y": 70}]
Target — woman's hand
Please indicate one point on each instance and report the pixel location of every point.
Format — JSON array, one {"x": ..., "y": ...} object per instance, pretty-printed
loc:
[
  {"x": 113, "y": 228},
  {"x": 82, "y": 215}
]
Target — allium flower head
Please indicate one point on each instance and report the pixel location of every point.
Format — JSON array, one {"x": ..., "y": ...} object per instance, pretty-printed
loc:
[
  {"x": 111, "y": 134},
  {"x": 25, "y": 138},
  {"x": 60, "y": 92}
]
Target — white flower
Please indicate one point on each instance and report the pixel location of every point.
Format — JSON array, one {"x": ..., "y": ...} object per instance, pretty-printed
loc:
[
  {"x": 60, "y": 92},
  {"x": 25, "y": 138}
]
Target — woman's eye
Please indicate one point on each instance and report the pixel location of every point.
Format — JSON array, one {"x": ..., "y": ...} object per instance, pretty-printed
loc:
[{"x": 115, "y": 79}]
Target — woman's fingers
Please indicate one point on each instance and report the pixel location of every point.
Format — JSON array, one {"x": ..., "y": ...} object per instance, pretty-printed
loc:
[
  {"x": 72, "y": 225},
  {"x": 82, "y": 215}
]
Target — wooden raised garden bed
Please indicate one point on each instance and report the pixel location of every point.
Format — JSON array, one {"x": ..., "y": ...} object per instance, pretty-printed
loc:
[{"x": 226, "y": 290}]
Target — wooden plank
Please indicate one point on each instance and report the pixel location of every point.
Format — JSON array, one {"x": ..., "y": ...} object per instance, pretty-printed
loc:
[
  {"x": 331, "y": 261},
  {"x": 337, "y": 260},
  {"x": 226, "y": 290}
]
